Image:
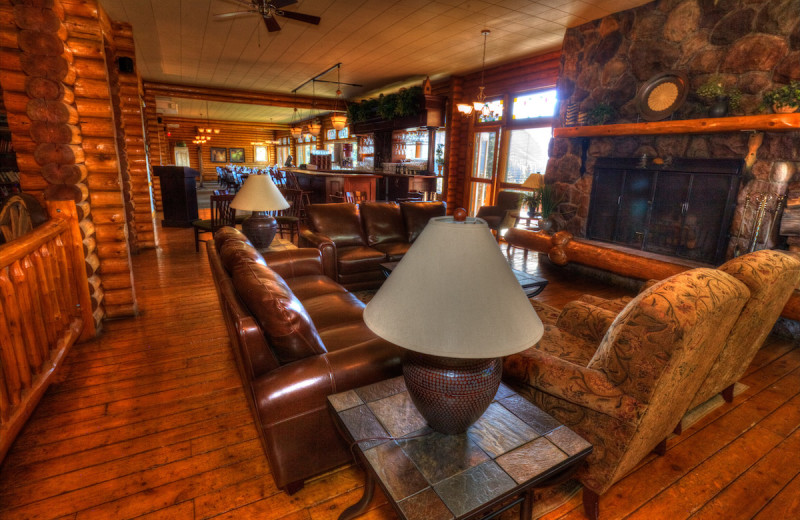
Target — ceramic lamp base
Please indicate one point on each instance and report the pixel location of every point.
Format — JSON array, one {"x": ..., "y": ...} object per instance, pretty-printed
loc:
[
  {"x": 451, "y": 393},
  {"x": 260, "y": 229}
]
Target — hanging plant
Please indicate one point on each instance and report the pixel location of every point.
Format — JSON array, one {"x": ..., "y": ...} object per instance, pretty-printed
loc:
[
  {"x": 407, "y": 102},
  {"x": 387, "y": 106}
]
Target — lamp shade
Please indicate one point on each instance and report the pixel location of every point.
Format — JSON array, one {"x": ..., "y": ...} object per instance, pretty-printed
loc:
[
  {"x": 464, "y": 108},
  {"x": 259, "y": 193},
  {"x": 454, "y": 295},
  {"x": 534, "y": 181},
  {"x": 339, "y": 121}
]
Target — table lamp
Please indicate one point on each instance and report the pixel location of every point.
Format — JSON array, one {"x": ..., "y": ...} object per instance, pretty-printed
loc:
[
  {"x": 259, "y": 195},
  {"x": 456, "y": 307},
  {"x": 533, "y": 182}
]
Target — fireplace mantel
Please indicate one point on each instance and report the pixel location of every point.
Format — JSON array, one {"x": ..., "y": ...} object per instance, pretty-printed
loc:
[{"x": 765, "y": 122}]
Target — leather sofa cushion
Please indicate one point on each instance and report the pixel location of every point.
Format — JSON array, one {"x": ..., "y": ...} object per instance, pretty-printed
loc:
[
  {"x": 394, "y": 251},
  {"x": 383, "y": 222},
  {"x": 233, "y": 252},
  {"x": 417, "y": 214},
  {"x": 340, "y": 222},
  {"x": 334, "y": 309},
  {"x": 227, "y": 233},
  {"x": 358, "y": 259},
  {"x": 283, "y": 319},
  {"x": 350, "y": 334},
  {"x": 313, "y": 285}
]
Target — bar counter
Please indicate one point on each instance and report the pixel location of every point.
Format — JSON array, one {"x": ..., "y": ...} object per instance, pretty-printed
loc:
[{"x": 323, "y": 183}]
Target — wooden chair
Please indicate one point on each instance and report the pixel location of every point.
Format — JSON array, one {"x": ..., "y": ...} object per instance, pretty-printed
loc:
[
  {"x": 355, "y": 197},
  {"x": 337, "y": 197},
  {"x": 289, "y": 219},
  {"x": 305, "y": 196},
  {"x": 222, "y": 214}
]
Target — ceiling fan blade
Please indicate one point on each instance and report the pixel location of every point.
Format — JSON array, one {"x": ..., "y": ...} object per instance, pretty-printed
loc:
[
  {"x": 271, "y": 23},
  {"x": 299, "y": 16},
  {"x": 282, "y": 3},
  {"x": 223, "y": 16}
]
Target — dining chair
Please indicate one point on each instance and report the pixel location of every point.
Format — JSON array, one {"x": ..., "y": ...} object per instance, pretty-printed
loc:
[
  {"x": 222, "y": 214},
  {"x": 289, "y": 219}
]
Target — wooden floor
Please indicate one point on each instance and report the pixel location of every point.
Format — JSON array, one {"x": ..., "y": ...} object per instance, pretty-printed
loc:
[{"x": 150, "y": 421}]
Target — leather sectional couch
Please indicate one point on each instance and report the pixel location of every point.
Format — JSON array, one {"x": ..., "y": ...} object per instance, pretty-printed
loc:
[
  {"x": 356, "y": 238},
  {"x": 298, "y": 337}
]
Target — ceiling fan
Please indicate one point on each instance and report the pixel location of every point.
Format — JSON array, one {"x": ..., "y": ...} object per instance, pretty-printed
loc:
[{"x": 269, "y": 9}]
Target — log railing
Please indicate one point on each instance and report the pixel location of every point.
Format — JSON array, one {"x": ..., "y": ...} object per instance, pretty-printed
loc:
[{"x": 44, "y": 309}]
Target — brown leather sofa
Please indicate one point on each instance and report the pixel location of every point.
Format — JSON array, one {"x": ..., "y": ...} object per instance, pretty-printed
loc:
[
  {"x": 298, "y": 337},
  {"x": 356, "y": 238}
]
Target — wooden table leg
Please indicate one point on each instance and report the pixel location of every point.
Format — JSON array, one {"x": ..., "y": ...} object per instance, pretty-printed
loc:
[
  {"x": 359, "y": 507},
  {"x": 526, "y": 508}
]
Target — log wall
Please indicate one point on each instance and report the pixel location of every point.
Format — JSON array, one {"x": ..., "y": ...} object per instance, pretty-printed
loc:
[
  {"x": 155, "y": 137},
  {"x": 88, "y": 30},
  {"x": 38, "y": 78}
]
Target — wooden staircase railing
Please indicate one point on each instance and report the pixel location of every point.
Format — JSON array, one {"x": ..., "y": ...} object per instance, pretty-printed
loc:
[{"x": 44, "y": 309}]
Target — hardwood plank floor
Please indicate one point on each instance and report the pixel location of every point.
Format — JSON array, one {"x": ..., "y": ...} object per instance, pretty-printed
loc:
[{"x": 149, "y": 421}]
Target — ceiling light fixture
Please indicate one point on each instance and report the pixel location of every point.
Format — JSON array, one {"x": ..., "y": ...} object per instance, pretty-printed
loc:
[
  {"x": 207, "y": 130},
  {"x": 480, "y": 104},
  {"x": 338, "y": 120},
  {"x": 314, "y": 125},
  {"x": 295, "y": 130}
]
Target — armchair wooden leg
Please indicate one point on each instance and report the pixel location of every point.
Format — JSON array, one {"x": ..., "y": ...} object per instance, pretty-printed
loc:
[
  {"x": 196, "y": 240},
  {"x": 727, "y": 393},
  {"x": 661, "y": 448},
  {"x": 293, "y": 487},
  {"x": 591, "y": 504},
  {"x": 678, "y": 429}
]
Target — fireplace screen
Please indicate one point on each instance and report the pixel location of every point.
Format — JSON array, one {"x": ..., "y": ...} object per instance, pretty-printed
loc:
[{"x": 680, "y": 208}]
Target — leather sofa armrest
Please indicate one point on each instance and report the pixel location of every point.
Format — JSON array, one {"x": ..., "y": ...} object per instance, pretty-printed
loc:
[
  {"x": 585, "y": 320},
  {"x": 295, "y": 262},
  {"x": 303, "y": 386},
  {"x": 326, "y": 247},
  {"x": 574, "y": 383}
]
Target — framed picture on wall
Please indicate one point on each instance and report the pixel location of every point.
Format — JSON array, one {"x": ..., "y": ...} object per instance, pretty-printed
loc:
[
  {"x": 219, "y": 154},
  {"x": 236, "y": 154}
]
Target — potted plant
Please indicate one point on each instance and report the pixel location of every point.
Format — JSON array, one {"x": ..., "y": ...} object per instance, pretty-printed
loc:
[
  {"x": 783, "y": 100},
  {"x": 440, "y": 158},
  {"x": 531, "y": 200},
  {"x": 600, "y": 114},
  {"x": 718, "y": 96},
  {"x": 549, "y": 201}
]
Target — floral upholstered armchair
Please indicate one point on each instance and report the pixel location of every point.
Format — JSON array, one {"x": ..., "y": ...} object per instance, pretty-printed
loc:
[
  {"x": 771, "y": 276},
  {"x": 626, "y": 389}
]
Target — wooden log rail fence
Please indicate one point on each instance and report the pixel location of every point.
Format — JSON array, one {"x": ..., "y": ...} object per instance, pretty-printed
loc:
[{"x": 44, "y": 309}]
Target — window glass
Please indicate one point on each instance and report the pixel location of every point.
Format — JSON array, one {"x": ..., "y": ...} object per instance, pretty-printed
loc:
[
  {"x": 527, "y": 153},
  {"x": 483, "y": 160},
  {"x": 261, "y": 154},
  {"x": 534, "y": 104},
  {"x": 490, "y": 112}
]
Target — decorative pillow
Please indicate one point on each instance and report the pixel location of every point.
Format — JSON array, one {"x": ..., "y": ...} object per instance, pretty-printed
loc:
[
  {"x": 283, "y": 319},
  {"x": 383, "y": 222},
  {"x": 417, "y": 214}
]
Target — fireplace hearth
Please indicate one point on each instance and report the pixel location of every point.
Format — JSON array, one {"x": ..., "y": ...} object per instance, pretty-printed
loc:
[{"x": 676, "y": 207}]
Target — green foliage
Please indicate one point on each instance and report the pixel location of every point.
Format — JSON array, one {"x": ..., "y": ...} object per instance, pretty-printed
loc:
[
  {"x": 600, "y": 114},
  {"x": 532, "y": 199},
  {"x": 712, "y": 88},
  {"x": 407, "y": 102},
  {"x": 440, "y": 155},
  {"x": 785, "y": 96},
  {"x": 549, "y": 199}
]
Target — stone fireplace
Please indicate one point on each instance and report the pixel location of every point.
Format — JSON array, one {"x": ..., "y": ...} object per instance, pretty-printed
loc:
[{"x": 752, "y": 44}]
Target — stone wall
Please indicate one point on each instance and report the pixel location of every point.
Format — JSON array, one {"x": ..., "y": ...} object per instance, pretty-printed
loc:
[{"x": 752, "y": 44}]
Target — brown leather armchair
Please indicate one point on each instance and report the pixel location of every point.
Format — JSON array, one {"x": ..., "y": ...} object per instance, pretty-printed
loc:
[
  {"x": 355, "y": 239},
  {"x": 497, "y": 216}
]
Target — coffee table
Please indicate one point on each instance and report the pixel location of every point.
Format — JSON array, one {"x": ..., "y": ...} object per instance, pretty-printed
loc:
[
  {"x": 532, "y": 285},
  {"x": 425, "y": 475}
]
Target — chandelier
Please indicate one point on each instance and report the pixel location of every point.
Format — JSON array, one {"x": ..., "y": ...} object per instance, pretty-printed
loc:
[
  {"x": 480, "y": 104},
  {"x": 204, "y": 132}
]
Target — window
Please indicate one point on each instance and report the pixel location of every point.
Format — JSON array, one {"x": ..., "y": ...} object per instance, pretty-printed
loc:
[
  {"x": 535, "y": 104},
  {"x": 261, "y": 154},
  {"x": 527, "y": 153}
]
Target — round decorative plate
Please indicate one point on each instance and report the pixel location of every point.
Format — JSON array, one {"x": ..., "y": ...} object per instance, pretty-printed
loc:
[{"x": 661, "y": 95}]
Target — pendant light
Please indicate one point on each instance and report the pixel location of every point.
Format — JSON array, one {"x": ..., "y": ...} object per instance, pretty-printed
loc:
[
  {"x": 338, "y": 120},
  {"x": 480, "y": 104},
  {"x": 314, "y": 126},
  {"x": 295, "y": 130}
]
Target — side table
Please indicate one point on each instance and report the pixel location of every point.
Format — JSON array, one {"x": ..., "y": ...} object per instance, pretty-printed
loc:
[{"x": 513, "y": 448}]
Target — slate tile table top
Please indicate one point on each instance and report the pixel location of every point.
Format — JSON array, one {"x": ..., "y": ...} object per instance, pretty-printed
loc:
[{"x": 513, "y": 448}]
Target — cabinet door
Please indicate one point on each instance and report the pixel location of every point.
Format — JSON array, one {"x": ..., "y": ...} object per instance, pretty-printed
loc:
[
  {"x": 666, "y": 218},
  {"x": 704, "y": 234},
  {"x": 634, "y": 208},
  {"x": 606, "y": 189}
]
